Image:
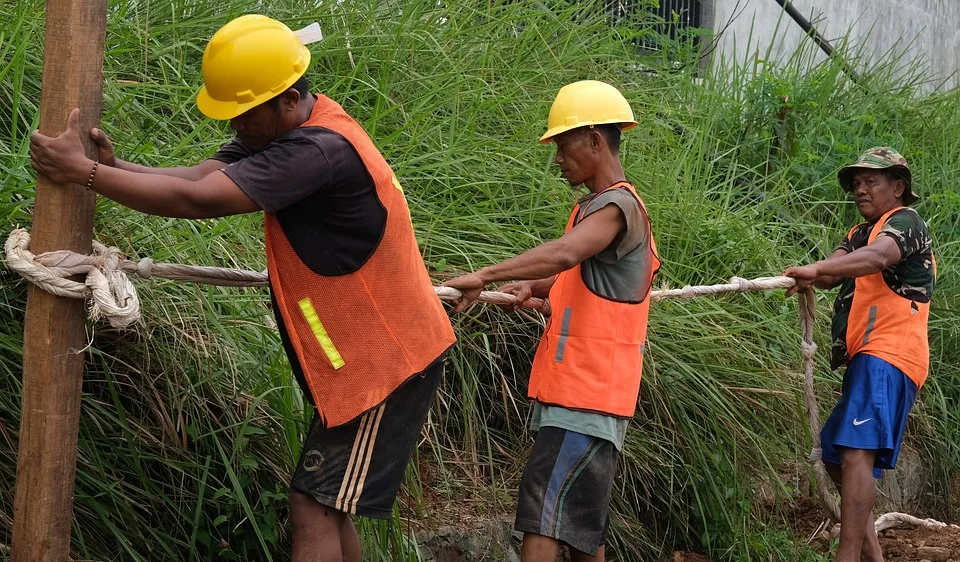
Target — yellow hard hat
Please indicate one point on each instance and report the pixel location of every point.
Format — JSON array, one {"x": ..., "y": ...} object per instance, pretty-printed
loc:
[
  {"x": 247, "y": 62},
  {"x": 587, "y": 102}
]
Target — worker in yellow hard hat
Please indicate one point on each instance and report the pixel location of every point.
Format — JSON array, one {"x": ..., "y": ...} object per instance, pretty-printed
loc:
[
  {"x": 585, "y": 377},
  {"x": 338, "y": 236}
]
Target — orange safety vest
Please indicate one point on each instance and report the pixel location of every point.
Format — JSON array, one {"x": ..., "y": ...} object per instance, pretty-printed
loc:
[
  {"x": 887, "y": 325},
  {"x": 361, "y": 335},
  {"x": 591, "y": 357}
]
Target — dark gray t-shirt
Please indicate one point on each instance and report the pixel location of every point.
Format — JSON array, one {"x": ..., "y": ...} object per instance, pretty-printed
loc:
[{"x": 324, "y": 198}]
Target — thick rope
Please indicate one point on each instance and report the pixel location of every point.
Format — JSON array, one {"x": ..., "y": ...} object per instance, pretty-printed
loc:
[
  {"x": 808, "y": 310},
  {"x": 113, "y": 296}
]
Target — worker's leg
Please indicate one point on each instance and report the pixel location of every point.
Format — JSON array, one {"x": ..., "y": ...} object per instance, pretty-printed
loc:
[
  {"x": 871, "y": 551},
  {"x": 863, "y": 436},
  {"x": 538, "y": 548},
  {"x": 317, "y": 532},
  {"x": 858, "y": 491},
  {"x": 357, "y": 468},
  {"x": 564, "y": 495}
]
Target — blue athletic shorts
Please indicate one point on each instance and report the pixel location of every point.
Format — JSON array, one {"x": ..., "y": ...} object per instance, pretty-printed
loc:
[{"x": 872, "y": 412}]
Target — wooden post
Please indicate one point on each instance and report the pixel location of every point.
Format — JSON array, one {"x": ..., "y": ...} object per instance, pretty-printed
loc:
[{"x": 54, "y": 329}]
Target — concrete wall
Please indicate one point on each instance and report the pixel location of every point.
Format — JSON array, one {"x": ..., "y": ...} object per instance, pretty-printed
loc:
[{"x": 927, "y": 31}]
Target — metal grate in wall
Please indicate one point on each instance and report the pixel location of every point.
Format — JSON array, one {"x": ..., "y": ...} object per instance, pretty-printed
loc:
[{"x": 688, "y": 13}]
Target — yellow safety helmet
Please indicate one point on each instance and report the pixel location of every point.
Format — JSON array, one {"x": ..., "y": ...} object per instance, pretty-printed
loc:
[
  {"x": 247, "y": 62},
  {"x": 587, "y": 102}
]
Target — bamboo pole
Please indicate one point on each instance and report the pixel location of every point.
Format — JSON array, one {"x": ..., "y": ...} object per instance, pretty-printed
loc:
[{"x": 54, "y": 329}]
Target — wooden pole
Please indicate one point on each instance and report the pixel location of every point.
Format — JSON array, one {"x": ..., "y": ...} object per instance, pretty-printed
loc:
[{"x": 54, "y": 329}]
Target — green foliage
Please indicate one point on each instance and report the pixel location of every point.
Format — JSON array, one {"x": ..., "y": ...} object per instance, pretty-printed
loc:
[{"x": 191, "y": 425}]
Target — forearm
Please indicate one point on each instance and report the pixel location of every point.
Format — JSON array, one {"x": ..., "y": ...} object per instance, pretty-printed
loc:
[
  {"x": 150, "y": 193},
  {"x": 542, "y": 263},
  {"x": 865, "y": 261},
  {"x": 541, "y": 287},
  {"x": 827, "y": 282},
  {"x": 192, "y": 173}
]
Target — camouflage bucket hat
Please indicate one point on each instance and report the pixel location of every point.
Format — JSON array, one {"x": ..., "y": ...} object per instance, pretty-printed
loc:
[{"x": 880, "y": 158}]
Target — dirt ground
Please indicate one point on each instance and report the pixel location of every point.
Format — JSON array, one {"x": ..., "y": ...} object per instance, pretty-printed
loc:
[{"x": 906, "y": 544}]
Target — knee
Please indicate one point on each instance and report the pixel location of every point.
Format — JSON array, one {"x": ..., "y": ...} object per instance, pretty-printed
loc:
[
  {"x": 308, "y": 514},
  {"x": 854, "y": 458}
]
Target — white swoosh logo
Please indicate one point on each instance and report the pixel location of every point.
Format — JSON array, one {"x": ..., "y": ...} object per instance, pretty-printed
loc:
[{"x": 860, "y": 422}]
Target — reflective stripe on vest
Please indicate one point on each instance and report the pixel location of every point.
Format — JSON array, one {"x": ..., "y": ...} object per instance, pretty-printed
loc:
[
  {"x": 310, "y": 315},
  {"x": 591, "y": 357},
  {"x": 887, "y": 325},
  {"x": 361, "y": 335}
]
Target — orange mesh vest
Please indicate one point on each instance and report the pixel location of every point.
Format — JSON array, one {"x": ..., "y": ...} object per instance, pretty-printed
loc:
[
  {"x": 359, "y": 336},
  {"x": 887, "y": 325},
  {"x": 591, "y": 354}
]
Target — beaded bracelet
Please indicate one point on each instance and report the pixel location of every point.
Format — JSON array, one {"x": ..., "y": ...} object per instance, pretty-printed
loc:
[{"x": 93, "y": 172}]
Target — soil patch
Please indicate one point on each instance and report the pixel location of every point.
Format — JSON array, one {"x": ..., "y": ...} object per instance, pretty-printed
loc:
[
  {"x": 689, "y": 557},
  {"x": 916, "y": 544},
  {"x": 905, "y": 544}
]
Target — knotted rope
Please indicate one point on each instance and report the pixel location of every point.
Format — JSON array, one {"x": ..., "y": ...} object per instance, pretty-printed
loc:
[{"x": 114, "y": 297}]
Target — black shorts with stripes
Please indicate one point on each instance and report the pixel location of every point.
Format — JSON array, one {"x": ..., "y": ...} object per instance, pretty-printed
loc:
[{"x": 358, "y": 467}]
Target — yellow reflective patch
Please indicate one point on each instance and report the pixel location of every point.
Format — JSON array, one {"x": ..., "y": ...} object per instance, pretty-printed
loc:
[
  {"x": 310, "y": 315},
  {"x": 396, "y": 184}
]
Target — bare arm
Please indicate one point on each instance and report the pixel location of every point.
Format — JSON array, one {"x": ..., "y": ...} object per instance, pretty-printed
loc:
[
  {"x": 107, "y": 157},
  {"x": 214, "y": 195},
  {"x": 62, "y": 159},
  {"x": 541, "y": 287},
  {"x": 590, "y": 237},
  {"x": 870, "y": 259},
  {"x": 830, "y": 281},
  {"x": 543, "y": 263},
  {"x": 524, "y": 290},
  {"x": 193, "y": 173}
]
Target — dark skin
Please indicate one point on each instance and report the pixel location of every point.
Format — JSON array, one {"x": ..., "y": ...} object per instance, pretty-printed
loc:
[
  {"x": 875, "y": 193},
  {"x": 320, "y": 533},
  {"x": 196, "y": 192},
  {"x": 585, "y": 159}
]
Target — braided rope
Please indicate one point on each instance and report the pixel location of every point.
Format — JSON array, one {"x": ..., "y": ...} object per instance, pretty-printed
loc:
[{"x": 114, "y": 297}]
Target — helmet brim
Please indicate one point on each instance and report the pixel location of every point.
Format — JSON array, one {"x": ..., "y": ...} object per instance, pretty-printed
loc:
[
  {"x": 552, "y": 132},
  {"x": 220, "y": 110}
]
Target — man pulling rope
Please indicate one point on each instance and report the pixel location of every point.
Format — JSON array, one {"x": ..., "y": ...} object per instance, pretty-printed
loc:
[{"x": 886, "y": 272}]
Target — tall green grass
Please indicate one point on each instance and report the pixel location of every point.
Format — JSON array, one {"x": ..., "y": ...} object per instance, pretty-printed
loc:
[{"x": 191, "y": 424}]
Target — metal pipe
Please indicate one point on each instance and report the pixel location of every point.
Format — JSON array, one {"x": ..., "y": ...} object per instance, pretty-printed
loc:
[{"x": 820, "y": 40}]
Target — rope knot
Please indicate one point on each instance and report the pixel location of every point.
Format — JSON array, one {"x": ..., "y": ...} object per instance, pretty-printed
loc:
[
  {"x": 741, "y": 285},
  {"x": 145, "y": 268},
  {"x": 111, "y": 292}
]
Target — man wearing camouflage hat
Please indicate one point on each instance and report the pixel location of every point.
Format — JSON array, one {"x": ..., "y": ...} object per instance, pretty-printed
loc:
[{"x": 886, "y": 272}]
